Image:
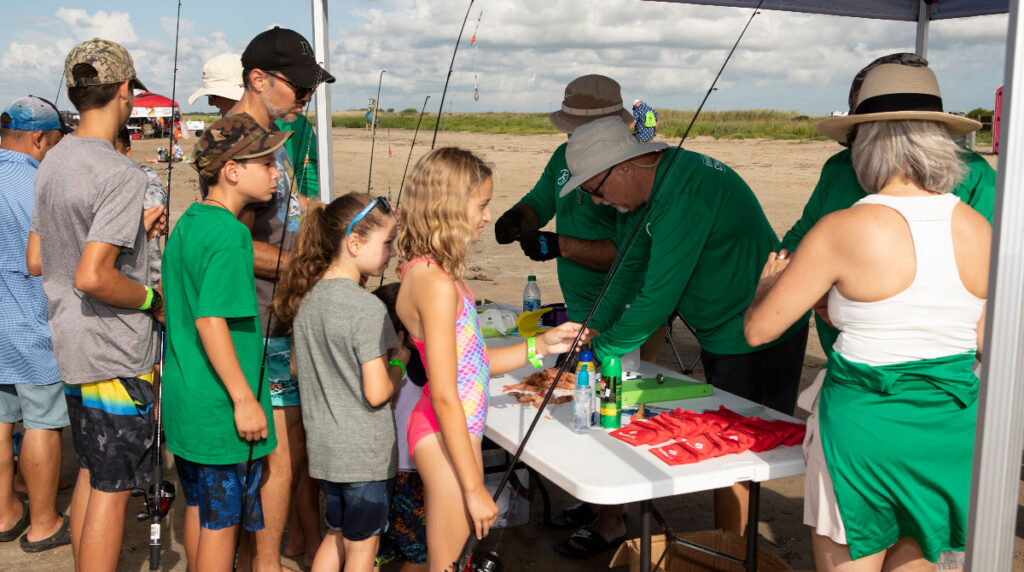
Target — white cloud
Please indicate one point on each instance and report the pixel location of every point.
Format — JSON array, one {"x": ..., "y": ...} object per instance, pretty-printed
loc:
[{"x": 115, "y": 26}]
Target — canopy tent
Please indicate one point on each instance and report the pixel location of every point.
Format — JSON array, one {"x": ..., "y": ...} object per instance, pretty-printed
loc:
[
  {"x": 996, "y": 483},
  {"x": 149, "y": 104}
]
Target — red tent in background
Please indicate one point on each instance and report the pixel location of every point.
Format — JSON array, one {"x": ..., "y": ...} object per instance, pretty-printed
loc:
[{"x": 149, "y": 104}]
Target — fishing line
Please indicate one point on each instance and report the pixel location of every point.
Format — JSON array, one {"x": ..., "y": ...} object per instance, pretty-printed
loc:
[
  {"x": 157, "y": 490},
  {"x": 472, "y": 541},
  {"x": 444, "y": 92},
  {"x": 472, "y": 42},
  {"x": 373, "y": 136}
]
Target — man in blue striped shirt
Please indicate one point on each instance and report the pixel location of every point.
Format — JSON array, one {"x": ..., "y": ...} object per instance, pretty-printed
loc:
[{"x": 30, "y": 385}]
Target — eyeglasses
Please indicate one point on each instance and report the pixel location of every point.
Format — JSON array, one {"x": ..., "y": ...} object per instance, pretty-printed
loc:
[
  {"x": 300, "y": 92},
  {"x": 597, "y": 190},
  {"x": 384, "y": 205}
]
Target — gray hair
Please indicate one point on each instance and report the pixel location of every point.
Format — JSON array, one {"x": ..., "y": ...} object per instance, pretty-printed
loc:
[{"x": 921, "y": 152}]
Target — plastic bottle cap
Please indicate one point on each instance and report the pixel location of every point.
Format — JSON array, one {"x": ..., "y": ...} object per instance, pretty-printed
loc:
[
  {"x": 586, "y": 355},
  {"x": 583, "y": 378},
  {"x": 611, "y": 367},
  {"x": 531, "y": 278}
]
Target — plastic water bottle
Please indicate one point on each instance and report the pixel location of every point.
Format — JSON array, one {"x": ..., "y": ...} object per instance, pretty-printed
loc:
[
  {"x": 531, "y": 294},
  {"x": 587, "y": 359},
  {"x": 582, "y": 401}
]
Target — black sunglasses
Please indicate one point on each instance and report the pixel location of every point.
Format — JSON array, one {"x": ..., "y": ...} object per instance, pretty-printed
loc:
[
  {"x": 384, "y": 206},
  {"x": 300, "y": 92},
  {"x": 597, "y": 190}
]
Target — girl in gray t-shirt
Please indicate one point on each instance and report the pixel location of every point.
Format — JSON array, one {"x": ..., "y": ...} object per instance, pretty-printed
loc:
[{"x": 349, "y": 364}]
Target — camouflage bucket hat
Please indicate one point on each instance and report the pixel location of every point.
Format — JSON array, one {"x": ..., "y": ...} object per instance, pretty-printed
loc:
[
  {"x": 113, "y": 64},
  {"x": 234, "y": 138}
]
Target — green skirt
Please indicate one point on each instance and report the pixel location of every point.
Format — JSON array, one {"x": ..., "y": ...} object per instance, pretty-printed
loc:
[{"x": 899, "y": 444}]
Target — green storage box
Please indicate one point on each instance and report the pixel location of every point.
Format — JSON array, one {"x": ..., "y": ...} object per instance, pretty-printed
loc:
[{"x": 654, "y": 390}]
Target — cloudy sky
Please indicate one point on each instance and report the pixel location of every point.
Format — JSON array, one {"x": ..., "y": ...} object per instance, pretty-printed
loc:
[{"x": 525, "y": 53}]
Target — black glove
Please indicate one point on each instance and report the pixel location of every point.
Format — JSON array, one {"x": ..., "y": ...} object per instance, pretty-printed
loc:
[
  {"x": 540, "y": 245},
  {"x": 509, "y": 226}
]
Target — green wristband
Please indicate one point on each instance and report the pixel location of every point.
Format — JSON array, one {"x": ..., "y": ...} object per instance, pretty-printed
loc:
[
  {"x": 531, "y": 352},
  {"x": 149, "y": 299},
  {"x": 400, "y": 365}
]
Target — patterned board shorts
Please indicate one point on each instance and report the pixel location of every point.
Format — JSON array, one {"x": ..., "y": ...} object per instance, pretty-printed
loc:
[
  {"x": 284, "y": 388},
  {"x": 113, "y": 429},
  {"x": 217, "y": 491},
  {"x": 406, "y": 538}
]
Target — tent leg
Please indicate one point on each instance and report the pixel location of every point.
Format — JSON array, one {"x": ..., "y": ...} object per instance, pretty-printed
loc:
[{"x": 923, "y": 18}]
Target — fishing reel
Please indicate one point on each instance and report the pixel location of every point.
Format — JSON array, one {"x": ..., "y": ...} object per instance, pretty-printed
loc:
[
  {"x": 152, "y": 502},
  {"x": 486, "y": 562}
]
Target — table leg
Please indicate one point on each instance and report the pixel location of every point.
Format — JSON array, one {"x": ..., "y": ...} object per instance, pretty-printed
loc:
[
  {"x": 753, "y": 514},
  {"x": 645, "y": 536}
]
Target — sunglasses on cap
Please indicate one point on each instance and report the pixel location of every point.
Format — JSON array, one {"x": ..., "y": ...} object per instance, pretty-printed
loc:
[
  {"x": 300, "y": 92},
  {"x": 384, "y": 205},
  {"x": 597, "y": 190}
]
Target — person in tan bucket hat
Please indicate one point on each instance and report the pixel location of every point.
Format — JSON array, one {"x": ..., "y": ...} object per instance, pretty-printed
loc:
[{"x": 583, "y": 247}]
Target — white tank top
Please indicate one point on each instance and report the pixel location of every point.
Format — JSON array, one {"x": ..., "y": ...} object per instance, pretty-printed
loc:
[{"x": 935, "y": 316}]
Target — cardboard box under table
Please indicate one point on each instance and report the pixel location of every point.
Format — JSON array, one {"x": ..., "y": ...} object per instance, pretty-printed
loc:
[{"x": 600, "y": 469}]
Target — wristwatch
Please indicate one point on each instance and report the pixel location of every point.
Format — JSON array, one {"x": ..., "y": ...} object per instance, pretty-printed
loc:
[{"x": 158, "y": 302}]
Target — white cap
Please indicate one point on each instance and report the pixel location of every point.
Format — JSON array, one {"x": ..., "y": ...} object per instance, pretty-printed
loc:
[
  {"x": 635, "y": 101},
  {"x": 222, "y": 76}
]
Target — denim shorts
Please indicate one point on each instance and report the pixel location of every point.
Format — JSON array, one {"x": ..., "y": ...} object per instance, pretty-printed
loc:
[
  {"x": 38, "y": 406},
  {"x": 217, "y": 491},
  {"x": 358, "y": 510}
]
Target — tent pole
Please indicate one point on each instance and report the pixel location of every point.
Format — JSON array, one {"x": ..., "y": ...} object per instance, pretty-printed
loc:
[
  {"x": 923, "y": 19},
  {"x": 996, "y": 481},
  {"x": 322, "y": 96}
]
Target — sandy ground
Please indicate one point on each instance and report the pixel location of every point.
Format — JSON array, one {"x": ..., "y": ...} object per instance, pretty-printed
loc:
[{"x": 782, "y": 174}]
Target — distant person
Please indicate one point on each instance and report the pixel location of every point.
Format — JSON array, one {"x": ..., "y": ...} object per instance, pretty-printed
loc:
[
  {"x": 280, "y": 75},
  {"x": 89, "y": 239},
  {"x": 156, "y": 196},
  {"x": 891, "y": 438},
  {"x": 30, "y": 387},
  {"x": 838, "y": 188},
  {"x": 371, "y": 115},
  {"x": 645, "y": 121},
  {"x": 222, "y": 82}
]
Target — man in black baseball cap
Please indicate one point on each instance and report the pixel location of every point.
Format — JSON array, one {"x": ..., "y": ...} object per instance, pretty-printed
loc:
[{"x": 279, "y": 75}]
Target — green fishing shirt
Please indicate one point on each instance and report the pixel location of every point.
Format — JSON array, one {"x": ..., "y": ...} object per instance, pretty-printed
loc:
[
  {"x": 838, "y": 189},
  {"x": 575, "y": 215},
  {"x": 302, "y": 148},
  {"x": 700, "y": 251}
]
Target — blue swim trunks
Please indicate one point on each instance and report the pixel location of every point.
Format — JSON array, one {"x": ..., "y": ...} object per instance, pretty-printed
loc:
[{"x": 217, "y": 491}]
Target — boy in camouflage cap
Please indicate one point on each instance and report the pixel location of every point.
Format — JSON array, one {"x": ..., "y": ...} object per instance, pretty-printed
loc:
[
  {"x": 214, "y": 345},
  {"x": 89, "y": 238}
]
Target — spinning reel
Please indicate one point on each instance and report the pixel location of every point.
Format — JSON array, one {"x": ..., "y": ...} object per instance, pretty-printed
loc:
[{"x": 152, "y": 503}]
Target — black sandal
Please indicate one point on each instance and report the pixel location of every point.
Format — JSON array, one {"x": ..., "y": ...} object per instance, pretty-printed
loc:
[
  {"x": 15, "y": 531},
  {"x": 585, "y": 543},
  {"x": 574, "y": 517},
  {"x": 59, "y": 538}
]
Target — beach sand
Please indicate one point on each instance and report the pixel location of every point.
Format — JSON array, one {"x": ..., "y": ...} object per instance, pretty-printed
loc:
[{"x": 781, "y": 173}]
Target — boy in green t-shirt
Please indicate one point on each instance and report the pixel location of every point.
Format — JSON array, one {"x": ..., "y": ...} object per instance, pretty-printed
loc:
[{"x": 215, "y": 414}]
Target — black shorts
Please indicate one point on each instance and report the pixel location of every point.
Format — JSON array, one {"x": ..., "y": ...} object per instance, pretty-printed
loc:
[
  {"x": 113, "y": 429},
  {"x": 770, "y": 376}
]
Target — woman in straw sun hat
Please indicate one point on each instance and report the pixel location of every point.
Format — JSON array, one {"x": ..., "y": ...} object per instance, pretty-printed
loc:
[{"x": 890, "y": 439}]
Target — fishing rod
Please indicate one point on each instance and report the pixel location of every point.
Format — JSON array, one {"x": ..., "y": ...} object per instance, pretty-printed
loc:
[
  {"x": 451, "y": 66},
  {"x": 158, "y": 507},
  {"x": 266, "y": 335},
  {"x": 373, "y": 136},
  {"x": 465, "y": 560}
]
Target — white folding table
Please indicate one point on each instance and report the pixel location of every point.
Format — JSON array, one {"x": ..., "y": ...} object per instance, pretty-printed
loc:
[{"x": 601, "y": 469}]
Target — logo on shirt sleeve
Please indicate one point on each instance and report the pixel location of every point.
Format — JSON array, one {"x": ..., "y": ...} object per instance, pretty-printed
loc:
[
  {"x": 713, "y": 163},
  {"x": 563, "y": 177}
]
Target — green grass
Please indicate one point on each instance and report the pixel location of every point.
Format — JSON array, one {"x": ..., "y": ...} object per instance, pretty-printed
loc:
[{"x": 763, "y": 123}]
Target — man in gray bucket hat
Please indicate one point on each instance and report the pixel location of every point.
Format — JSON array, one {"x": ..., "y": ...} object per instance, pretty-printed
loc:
[{"x": 699, "y": 251}]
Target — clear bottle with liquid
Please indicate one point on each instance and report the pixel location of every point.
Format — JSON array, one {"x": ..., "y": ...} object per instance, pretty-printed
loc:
[
  {"x": 582, "y": 401},
  {"x": 587, "y": 359},
  {"x": 531, "y": 294}
]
